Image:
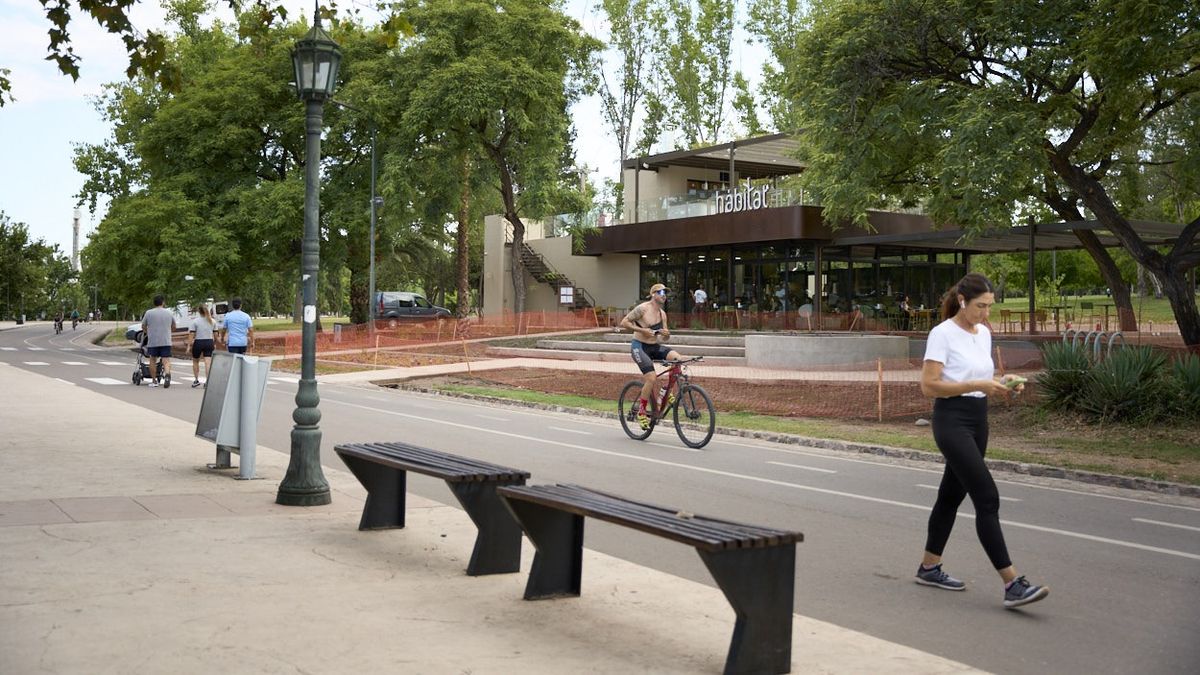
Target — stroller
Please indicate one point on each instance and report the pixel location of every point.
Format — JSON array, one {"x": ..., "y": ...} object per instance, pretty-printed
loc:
[{"x": 142, "y": 370}]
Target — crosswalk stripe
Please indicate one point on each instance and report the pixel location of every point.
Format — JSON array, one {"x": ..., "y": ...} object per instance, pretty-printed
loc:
[
  {"x": 9, "y": 349},
  {"x": 114, "y": 363},
  {"x": 37, "y": 349},
  {"x": 104, "y": 380},
  {"x": 36, "y": 363},
  {"x": 67, "y": 349},
  {"x": 65, "y": 381},
  {"x": 74, "y": 363}
]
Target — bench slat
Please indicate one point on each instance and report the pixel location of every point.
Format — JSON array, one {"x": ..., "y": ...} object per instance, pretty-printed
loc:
[
  {"x": 698, "y": 531},
  {"x": 431, "y": 462}
]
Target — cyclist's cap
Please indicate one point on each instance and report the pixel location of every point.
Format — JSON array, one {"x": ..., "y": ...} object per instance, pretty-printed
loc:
[{"x": 658, "y": 287}]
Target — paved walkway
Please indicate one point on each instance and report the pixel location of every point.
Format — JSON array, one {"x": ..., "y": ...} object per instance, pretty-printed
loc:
[{"x": 120, "y": 553}]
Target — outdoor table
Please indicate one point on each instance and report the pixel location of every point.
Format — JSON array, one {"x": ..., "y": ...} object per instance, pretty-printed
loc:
[
  {"x": 1105, "y": 305},
  {"x": 1056, "y": 309}
]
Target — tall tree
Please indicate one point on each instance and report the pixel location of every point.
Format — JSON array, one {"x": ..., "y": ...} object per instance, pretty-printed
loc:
[
  {"x": 504, "y": 73},
  {"x": 776, "y": 24},
  {"x": 632, "y": 29},
  {"x": 694, "y": 46},
  {"x": 973, "y": 109}
]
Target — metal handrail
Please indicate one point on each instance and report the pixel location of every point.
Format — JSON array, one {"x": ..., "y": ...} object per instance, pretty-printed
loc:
[{"x": 582, "y": 291}]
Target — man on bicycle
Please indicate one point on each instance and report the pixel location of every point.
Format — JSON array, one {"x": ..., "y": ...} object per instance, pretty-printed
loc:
[{"x": 648, "y": 322}]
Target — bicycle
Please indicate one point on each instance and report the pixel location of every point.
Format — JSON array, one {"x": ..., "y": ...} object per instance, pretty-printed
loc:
[{"x": 694, "y": 416}]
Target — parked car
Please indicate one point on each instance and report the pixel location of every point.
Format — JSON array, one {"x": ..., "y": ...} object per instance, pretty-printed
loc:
[{"x": 394, "y": 306}]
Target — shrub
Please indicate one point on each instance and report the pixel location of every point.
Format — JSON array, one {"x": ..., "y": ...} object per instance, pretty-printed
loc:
[
  {"x": 1130, "y": 385},
  {"x": 1062, "y": 382},
  {"x": 1185, "y": 387}
]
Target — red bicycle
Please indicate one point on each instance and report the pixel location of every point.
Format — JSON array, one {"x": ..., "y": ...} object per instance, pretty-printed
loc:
[{"x": 694, "y": 416}]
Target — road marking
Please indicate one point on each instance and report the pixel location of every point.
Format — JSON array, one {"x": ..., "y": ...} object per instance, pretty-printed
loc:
[
  {"x": 1159, "y": 522},
  {"x": 66, "y": 349},
  {"x": 74, "y": 363},
  {"x": 113, "y": 363},
  {"x": 9, "y": 349},
  {"x": 286, "y": 380},
  {"x": 36, "y": 363},
  {"x": 684, "y": 448},
  {"x": 65, "y": 381},
  {"x": 1002, "y": 498},
  {"x": 801, "y": 466},
  {"x": 492, "y": 417},
  {"x": 108, "y": 381},
  {"x": 572, "y": 431},
  {"x": 769, "y": 481},
  {"x": 37, "y": 349}
]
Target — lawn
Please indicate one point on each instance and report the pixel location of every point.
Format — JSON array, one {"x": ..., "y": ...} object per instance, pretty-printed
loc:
[{"x": 1148, "y": 309}]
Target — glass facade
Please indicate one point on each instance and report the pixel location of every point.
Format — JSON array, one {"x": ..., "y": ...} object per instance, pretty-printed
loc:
[{"x": 782, "y": 277}]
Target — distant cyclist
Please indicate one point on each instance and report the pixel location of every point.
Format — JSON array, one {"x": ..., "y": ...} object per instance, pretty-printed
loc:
[{"x": 648, "y": 321}]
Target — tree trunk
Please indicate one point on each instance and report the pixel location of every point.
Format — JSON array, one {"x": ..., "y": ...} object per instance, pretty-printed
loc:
[
  {"x": 1126, "y": 318},
  {"x": 1179, "y": 292},
  {"x": 463, "y": 252}
]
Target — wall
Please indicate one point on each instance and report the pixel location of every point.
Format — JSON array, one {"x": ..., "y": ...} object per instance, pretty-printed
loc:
[
  {"x": 612, "y": 280},
  {"x": 654, "y": 185}
]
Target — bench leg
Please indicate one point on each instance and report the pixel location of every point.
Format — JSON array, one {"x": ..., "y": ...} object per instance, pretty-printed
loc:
[
  {"x": 384, "y": 508},
  {"x": 498, "y": 544},
  {"x": 760, "y": 584},
  {"x": 558, "y": 538}
]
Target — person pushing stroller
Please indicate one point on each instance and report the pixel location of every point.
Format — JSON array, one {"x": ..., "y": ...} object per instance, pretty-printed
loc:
[{"x": 157, "y": 324}]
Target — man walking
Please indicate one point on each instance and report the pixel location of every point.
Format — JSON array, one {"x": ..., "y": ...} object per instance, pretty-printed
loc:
[
  {"x": 239, "y": 329},
  {"x": 699, "y": 300},
  {"x": 158, "y": 324}
]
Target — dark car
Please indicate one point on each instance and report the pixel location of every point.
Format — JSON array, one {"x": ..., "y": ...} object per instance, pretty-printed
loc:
[{"x": 394, "y": 306}]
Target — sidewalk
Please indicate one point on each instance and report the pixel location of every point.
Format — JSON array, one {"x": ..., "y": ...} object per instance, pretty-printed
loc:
[{"x": 120, "y": 553}]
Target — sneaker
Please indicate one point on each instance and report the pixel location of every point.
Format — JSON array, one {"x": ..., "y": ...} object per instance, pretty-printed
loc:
[
  {"x": 934, "y": 576},
  {"x": 167, "y": 381},
  {"x": 1021, "y": 592},
  {"x": 195, "y": 383},
  {"x": 153, "y": 383}
]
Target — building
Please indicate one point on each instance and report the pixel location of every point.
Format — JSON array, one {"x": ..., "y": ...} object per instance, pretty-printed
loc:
[{"x": 759, "y": 246}]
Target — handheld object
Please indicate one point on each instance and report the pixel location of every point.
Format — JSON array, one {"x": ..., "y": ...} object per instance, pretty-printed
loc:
[{"x": 1014, "y": 381}]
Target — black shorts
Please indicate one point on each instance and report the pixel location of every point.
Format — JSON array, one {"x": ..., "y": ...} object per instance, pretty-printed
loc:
[
  {"x": 237, "y": 350},
  {"x": 201, "y": 348},
  {"x": 644, "y": 354},
  {"x": 163, "y": 352}
]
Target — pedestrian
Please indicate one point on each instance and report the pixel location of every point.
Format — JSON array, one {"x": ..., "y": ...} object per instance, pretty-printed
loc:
[
  {"x": 200, "y": 338},
  {"x": 958, "y": 374},
  {"x": 158, "y": 322},
  {"x": 699, "y": 300},
  {"x": 239, "y": 329}
]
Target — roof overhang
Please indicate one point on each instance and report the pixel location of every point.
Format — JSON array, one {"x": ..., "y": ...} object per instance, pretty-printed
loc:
[{"x": 759, "y": 157}]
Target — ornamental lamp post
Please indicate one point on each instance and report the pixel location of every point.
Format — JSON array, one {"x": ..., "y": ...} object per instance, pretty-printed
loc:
[{"x": 316, "y": 59}]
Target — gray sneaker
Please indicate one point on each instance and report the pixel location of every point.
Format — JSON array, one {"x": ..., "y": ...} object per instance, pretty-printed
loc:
[
  {"x": 936, "y": 577},
  {"x": 1021, "y": 592}
]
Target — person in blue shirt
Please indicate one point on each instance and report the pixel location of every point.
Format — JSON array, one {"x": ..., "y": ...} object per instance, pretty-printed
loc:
[{"x": 239, "y": 329}]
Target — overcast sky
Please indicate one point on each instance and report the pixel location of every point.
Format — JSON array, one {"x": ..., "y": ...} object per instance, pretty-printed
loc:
[{"x": 52, "y": 112}]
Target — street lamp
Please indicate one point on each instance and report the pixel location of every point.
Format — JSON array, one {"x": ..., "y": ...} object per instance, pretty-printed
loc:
[{"x": 316, "y": 58}]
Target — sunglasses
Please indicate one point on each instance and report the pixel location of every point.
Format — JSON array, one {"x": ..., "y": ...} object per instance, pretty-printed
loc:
[{"x": 660, "y": 292}]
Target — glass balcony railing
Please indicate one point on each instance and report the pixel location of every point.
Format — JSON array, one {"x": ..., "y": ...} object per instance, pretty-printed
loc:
[{"x": 746, "y": 199}]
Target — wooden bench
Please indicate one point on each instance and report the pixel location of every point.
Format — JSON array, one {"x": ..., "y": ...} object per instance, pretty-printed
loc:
[
  {"x": 754, "y": 566},
  {"x": 382, "y": 468}
]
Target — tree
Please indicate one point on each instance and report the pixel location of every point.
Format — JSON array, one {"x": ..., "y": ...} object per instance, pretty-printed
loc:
[
  {"x": 694, "y": 45},
  {"x": 777, "y": 25},
  {"x": 632, "y": 29},
  {"x": 976, "y": 110},
  {"x": 31, "y": 271},
  {"x": 502, "y": 74}
]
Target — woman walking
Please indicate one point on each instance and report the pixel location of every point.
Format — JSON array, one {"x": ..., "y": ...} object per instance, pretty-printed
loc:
[
  {"x": 200, "y": 334},
  {"x": 958, "y": 374}
]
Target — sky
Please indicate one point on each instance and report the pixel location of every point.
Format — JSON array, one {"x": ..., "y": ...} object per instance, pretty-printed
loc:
[{"x": 52, "y": 113}]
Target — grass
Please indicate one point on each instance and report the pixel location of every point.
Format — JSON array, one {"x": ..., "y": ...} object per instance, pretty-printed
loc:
[
  {"x": 1150, "y": 308},
  {"x": 267, "y": 325}
]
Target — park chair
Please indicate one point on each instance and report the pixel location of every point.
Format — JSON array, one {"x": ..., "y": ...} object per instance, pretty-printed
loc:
[
  {"x": 1040, "y": 317},
  {"x": 1007, "y": 323},
  {"x": 1088, "y": 308}
]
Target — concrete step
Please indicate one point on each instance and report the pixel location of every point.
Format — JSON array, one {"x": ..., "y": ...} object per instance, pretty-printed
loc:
[
  {"x": 681, "y": 338},
  {"x": 613, "y": 357},
  {"x": 614, "y": 347}
]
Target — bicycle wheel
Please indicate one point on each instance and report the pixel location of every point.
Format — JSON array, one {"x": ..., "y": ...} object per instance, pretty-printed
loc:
[
  {"x": 627, "y": 411},
  {"x": 695, "y": 418}
]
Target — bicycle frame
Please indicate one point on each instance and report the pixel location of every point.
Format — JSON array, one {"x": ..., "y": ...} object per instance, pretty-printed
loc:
[{"x": 677, "y": 376}]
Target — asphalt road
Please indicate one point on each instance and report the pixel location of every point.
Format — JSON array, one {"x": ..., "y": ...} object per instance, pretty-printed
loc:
[{"x": 1123, "y": 566}]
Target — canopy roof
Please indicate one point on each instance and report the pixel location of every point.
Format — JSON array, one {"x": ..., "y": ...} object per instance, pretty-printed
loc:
[
  {"x": 760, "y": 157},
  {"x": 1047, "y": 237}
]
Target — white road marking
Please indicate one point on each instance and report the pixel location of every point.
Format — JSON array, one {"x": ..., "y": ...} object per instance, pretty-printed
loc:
[
  {"x": 683, "y": 448},
  {"x": 492, "y": 417},
  {"x": 37, "y": 349},
  {"x": 65, "y": 381},
  {"x": 801, "y": 466},
  {"x": 1002, "y": 497},
  {"x": 9, "y": 349},
  {"x": 571, "y": 431},
  {"x": 114, "y": 363},
  {"x": 74, "y": 363},
  {"x": 66, "y": 349},
  {"x": 1159, "y": 522},
  {"x": 105, "y": 380},
  {"x": 36, "y": 363},
  {"x": 769, "y": 481}
]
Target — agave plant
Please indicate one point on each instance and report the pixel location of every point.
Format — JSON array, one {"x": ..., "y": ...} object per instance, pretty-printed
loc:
[
  {"x": 1185, "y": 380},
  {"x": 1131, "y": 385},
  {"x": 1062, "y": 381}
]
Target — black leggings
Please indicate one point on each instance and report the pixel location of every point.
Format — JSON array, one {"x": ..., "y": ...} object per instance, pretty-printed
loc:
[{"x": 960, "y": 428}]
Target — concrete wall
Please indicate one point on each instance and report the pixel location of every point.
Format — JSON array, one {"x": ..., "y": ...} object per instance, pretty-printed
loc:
[
  {"x": 612, "y": 280},
  {"x": 806, "y": 351}
]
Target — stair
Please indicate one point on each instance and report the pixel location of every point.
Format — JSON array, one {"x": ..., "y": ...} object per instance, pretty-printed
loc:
[{"x": 543, "y": 272}]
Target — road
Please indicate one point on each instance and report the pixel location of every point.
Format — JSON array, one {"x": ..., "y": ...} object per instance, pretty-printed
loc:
[{"x": 1123, "y": 566}]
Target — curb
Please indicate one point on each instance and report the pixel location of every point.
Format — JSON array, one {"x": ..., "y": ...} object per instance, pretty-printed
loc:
[{"x": 1008, "y": 466}]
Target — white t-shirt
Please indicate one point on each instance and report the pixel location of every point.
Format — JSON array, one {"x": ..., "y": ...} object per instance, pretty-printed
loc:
[
  {"x": 965, "y": 356},
  {"x": 700, "y": 296}
]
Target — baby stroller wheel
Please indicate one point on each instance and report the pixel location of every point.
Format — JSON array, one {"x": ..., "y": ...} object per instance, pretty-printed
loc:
[{"x": 137, "y": 378}]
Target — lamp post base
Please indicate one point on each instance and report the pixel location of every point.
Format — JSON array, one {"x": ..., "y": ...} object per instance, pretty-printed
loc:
[{"x": 304, "y": 484}]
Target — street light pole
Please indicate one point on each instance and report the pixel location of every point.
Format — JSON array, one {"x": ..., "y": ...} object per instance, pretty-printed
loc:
[{"x": 316, "y": 59}]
